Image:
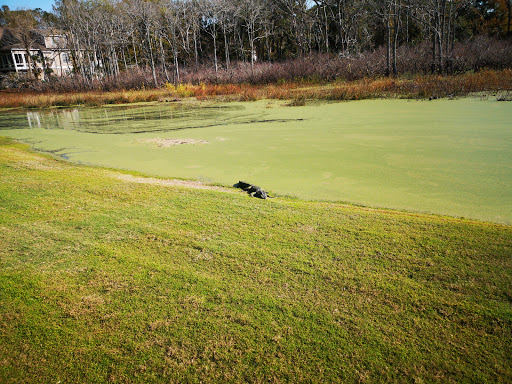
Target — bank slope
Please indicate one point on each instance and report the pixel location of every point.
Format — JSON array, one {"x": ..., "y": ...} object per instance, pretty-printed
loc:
[{"x": 103, "y": 279}]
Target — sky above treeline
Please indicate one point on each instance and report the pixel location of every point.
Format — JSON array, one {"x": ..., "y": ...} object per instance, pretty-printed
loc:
[{"x": 45, "y": 5}]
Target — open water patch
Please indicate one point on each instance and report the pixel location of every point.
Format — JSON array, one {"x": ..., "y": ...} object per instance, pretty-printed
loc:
[{"x": 138, "y": 119}]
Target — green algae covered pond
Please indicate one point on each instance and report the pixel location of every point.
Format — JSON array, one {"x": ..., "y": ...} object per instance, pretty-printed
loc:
[{"x": 450, "y": 157}]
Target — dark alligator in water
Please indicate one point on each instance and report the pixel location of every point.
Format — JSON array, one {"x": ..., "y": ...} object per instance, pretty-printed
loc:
[{"x": 252, "y": 190}]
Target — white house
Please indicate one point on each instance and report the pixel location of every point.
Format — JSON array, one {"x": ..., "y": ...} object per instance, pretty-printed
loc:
[{"x": 48, "y": 51}]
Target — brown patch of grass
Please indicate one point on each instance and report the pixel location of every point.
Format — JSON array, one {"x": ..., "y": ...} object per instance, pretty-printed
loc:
[
  {"x": 169, "y": 182},
  {"x": 86, "y": 306}
]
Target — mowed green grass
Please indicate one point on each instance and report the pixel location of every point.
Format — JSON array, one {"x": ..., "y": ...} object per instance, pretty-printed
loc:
[{"x": 105, "y": 280}]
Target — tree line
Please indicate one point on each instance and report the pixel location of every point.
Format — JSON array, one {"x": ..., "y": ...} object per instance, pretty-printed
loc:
[{"x": 165, "y": 37}]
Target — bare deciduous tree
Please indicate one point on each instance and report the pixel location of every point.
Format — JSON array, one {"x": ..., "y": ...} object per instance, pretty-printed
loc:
[{"x": 21, "y": 24}]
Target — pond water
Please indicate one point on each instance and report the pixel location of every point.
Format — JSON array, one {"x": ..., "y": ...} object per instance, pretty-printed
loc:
[{"x": 449, "y": 157}]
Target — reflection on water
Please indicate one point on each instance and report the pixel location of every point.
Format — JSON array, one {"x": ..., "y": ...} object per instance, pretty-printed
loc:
[
  {"x": 33, "y": 116},
  {"x": 136, "y": 119},
  {"x": 122, "y": 119},
  {"x": 61, "y": 119}
]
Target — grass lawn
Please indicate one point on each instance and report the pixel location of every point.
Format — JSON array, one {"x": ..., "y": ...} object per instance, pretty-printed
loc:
[{"x": 109, "y": 280}]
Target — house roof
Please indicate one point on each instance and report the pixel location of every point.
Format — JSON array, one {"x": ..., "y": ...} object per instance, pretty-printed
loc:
[{"x": 9, "y": 40}]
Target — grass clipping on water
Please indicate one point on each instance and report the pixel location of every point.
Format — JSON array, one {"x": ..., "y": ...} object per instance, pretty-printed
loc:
[
  {"x": 166, "y": 143},
  {"x": 103, "y": 279}
]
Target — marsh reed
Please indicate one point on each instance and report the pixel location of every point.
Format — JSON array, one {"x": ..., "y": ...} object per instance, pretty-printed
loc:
[{"x": 420, "y": 86}]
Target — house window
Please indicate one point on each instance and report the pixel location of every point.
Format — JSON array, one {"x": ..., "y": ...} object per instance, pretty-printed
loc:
[
  {"x": 65, "y": 58},
  {"x": 18, "y": 57}
]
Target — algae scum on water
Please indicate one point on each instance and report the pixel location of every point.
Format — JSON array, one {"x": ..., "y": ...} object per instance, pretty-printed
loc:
[{"x": 449, "y": 157}]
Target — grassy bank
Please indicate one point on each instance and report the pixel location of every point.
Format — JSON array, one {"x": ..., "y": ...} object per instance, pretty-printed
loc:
[
  {"x": 108, "y": 280},
  {"x": 298, "y": 91}
]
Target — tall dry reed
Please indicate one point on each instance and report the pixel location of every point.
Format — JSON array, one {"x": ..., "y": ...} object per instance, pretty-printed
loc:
[{"x": 424, "y": 86}]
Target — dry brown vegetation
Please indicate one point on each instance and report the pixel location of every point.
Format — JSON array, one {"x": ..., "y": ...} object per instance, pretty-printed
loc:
[
  {"x": 424, "y": 86},
  {"x": 34, "y": 99}
]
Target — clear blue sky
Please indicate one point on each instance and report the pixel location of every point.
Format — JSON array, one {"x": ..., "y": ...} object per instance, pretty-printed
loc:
[{"x": 45, "y": 5}]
